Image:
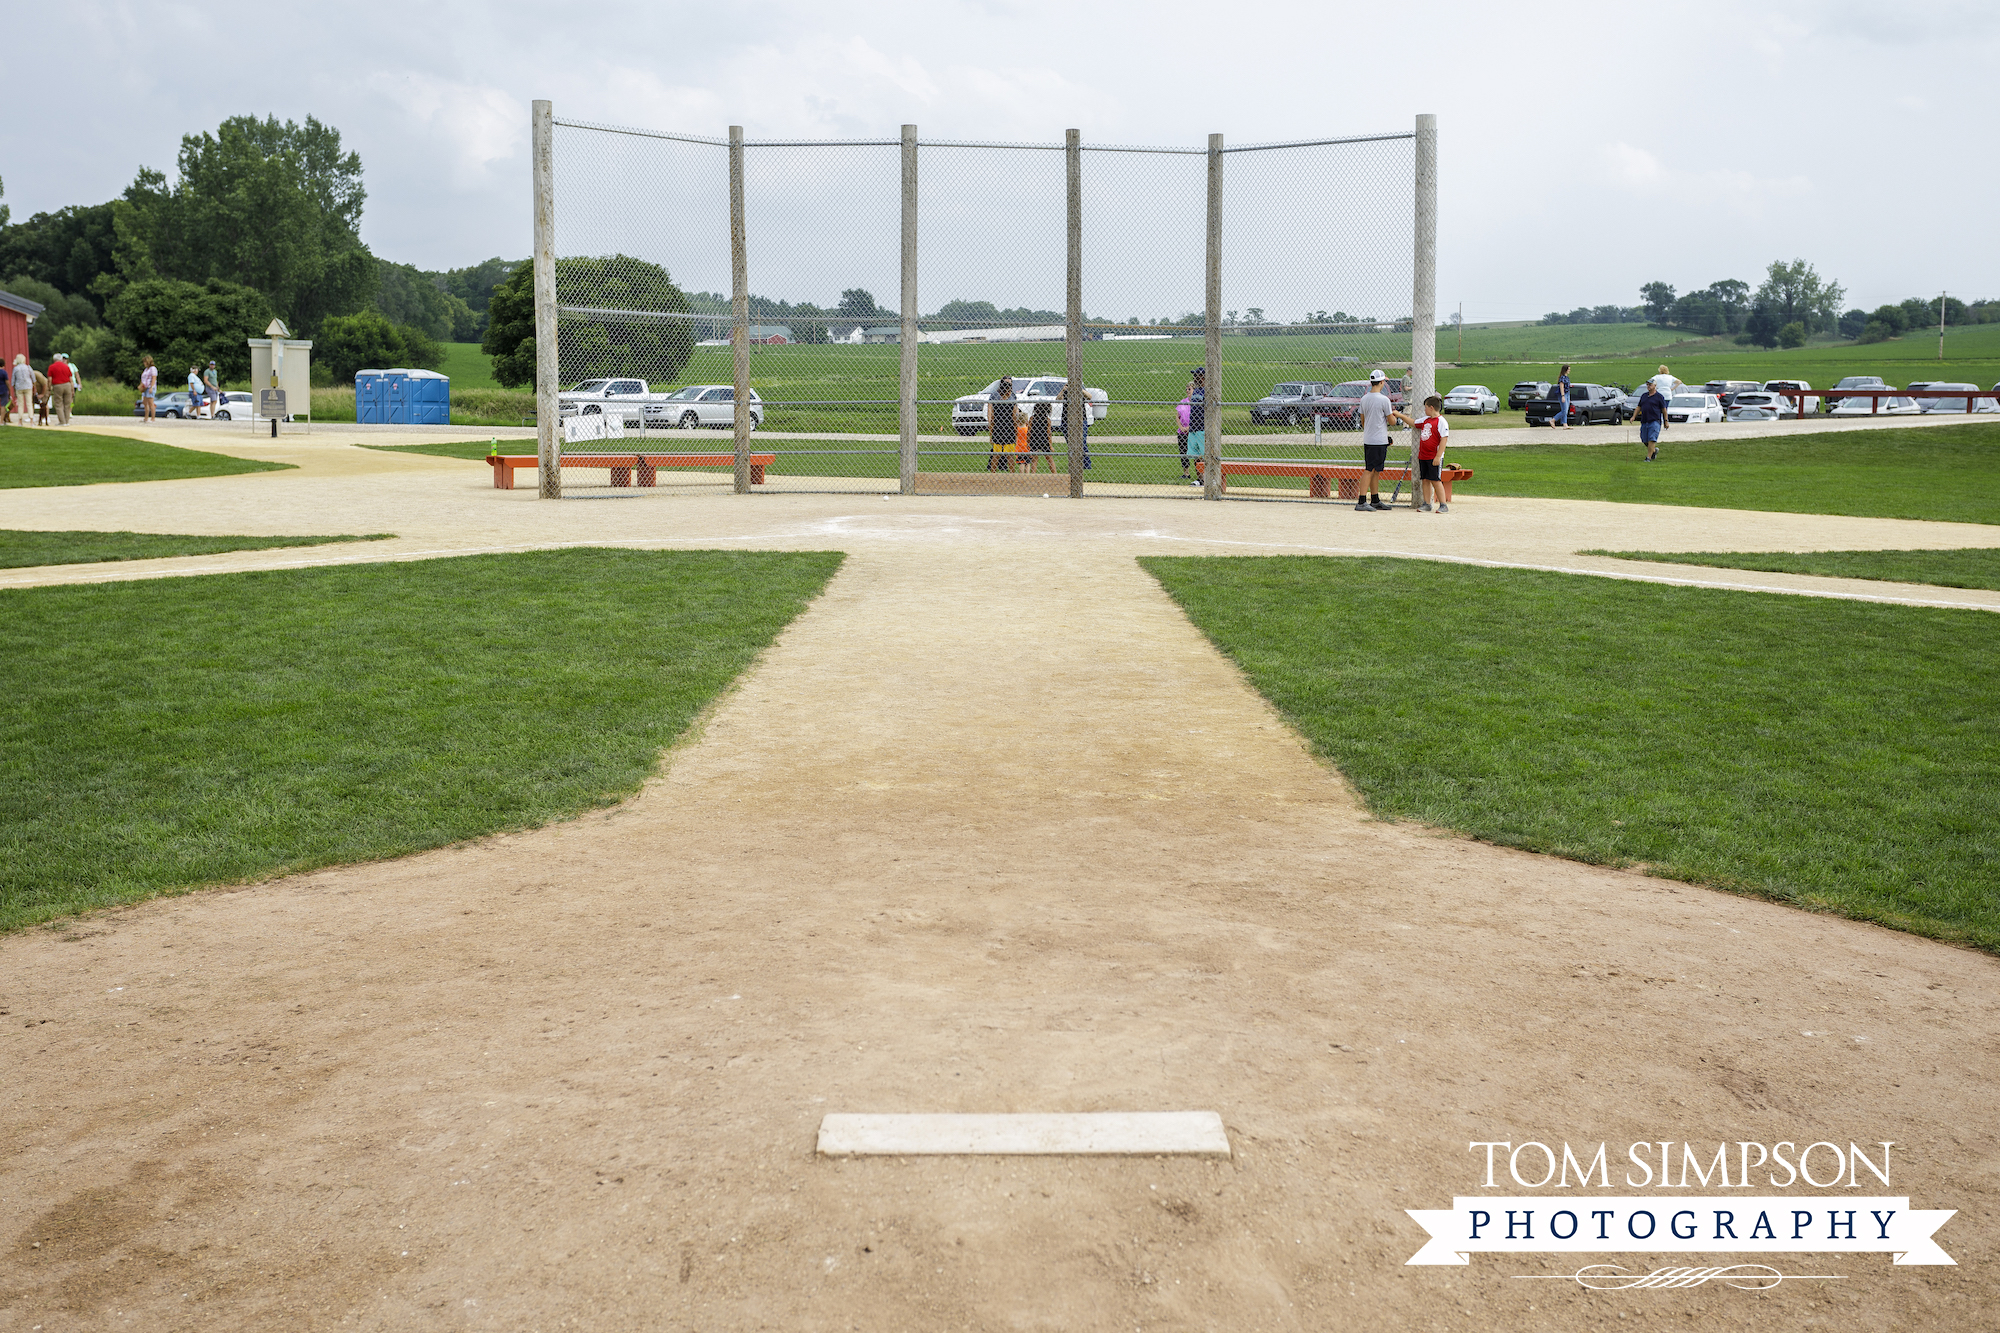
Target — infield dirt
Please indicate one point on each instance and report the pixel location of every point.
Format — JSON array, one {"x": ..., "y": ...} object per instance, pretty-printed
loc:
[{"x": 990, "y": 828}]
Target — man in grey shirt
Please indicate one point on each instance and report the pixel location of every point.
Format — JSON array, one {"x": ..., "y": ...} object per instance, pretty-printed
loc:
[{"x": 1376, "y": 413}]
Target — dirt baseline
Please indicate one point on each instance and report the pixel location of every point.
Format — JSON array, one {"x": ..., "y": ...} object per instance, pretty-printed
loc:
[{"x": 991, "y": 828}]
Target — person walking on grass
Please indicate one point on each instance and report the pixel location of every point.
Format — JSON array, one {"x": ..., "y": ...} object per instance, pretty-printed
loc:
[
  {"x": 1562, "y": 399},
  {"x": 149, "y": 385},
  {"x": 22, "y": 381},
  {"x": 1376, "y": 414},
  {"x": 1432, "y": 432},
  {"x": 1652, "y": 416}
]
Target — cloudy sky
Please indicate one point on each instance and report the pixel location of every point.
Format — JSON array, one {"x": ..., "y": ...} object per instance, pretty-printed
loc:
[{"x": 1585, "y": 147}]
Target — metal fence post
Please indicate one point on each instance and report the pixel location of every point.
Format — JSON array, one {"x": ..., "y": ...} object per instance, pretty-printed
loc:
[
  {"x": 907, "y": 379},
  {"x": 1423, "y": 295},
  {"x": 1211, "y": 416},
  {"x": 1076, "y": 404},
  {"x": 548, "y": 366},
  {"x": 739, "y": 326}
]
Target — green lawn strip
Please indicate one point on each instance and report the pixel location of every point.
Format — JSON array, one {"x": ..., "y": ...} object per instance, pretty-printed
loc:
[
  {"x": 21, "y": 548},
  {"x": 1948, "y": 473},
  {"x": 165, "y": 734},
  {"x": 1840, "y": 756},
  {"x": 1973, "y": 567},
  {"x": 61, "y": 456},
  {"x": 474, "y": 449}
]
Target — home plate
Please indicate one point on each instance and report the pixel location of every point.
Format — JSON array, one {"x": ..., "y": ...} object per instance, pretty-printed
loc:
[{"x": 1098, "y": 1133}]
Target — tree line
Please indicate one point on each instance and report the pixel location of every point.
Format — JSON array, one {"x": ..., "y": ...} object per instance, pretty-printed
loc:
[
  {"x": 1792, "y": 305},
  {"x": 262, "y": 220}
]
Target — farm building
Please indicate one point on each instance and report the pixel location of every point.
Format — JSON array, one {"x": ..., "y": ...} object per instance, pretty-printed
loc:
[
  {"x": 16, "y": 314},
  {"x": 774, "y": 335}
]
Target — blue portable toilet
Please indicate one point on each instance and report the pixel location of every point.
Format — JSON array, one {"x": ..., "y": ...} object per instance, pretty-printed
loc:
[
  {"x": 371, "y": 395},
  {"x": 419, "y": 398},
  {"x": 401, "y": 397}
]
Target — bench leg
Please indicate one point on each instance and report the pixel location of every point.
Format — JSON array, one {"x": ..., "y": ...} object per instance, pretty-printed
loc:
[
  {"x": 1447, "y": 490},
  {"x": 1317, "y": 488},
  {"x": 503, "y": 477},
  {"x": 756, "y": 474},
  {"x": 648, "y": 474},
  {"x": 1350, "y": 488},
  {"x": 621, "y": 476}
]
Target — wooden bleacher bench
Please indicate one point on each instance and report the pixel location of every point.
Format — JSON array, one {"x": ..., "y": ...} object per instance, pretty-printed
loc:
[
  {"x": 1321, "y": 476},
  {"x": 623, "y": 466}
]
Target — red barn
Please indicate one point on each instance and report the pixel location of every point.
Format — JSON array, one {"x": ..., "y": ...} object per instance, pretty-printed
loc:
[{"x": 16, "y": 313}]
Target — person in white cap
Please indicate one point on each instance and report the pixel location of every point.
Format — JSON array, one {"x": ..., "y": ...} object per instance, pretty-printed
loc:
[{"x": 1376, "y": 414}]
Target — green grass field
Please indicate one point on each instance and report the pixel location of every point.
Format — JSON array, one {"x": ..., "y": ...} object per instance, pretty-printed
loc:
[
  {"x": 1839, "y": 756},
  {"x": 66, "y": 456},
  {"x": 468, "y": 367},
  {"x": 165, "y": 734},
  {"x": 1934, "y": 472},
  {"x": 20, "y": 548},
  {"x": 1973, "y": 567}
]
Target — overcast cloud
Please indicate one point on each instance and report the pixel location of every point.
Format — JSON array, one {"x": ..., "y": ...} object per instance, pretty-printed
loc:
[{"x": 1585, "y": 148}]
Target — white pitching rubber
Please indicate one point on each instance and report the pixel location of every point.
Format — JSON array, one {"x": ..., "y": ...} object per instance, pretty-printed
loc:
[{"x": 1096, "y": 1133}]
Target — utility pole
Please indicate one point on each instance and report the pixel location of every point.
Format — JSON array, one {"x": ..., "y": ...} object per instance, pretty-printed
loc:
[{"x": 1461, "y": 334}]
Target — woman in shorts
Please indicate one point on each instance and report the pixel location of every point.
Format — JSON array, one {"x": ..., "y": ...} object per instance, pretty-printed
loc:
[{"x": 149, "y": 385}]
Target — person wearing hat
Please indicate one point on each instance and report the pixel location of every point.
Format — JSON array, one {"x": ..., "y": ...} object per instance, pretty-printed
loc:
[
  {"x": 1377, "y": 411},
  {"x": 214, "y": 387},
  {"x": 1197, "y": 420},
  {"x": 62, "y": 387}
]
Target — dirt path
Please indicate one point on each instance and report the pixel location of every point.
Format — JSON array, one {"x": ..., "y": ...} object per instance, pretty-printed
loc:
[{"x": 990, "y": 828}]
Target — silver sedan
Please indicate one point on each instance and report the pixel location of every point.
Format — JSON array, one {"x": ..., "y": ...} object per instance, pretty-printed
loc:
[{"x": 1472, "y": 398}]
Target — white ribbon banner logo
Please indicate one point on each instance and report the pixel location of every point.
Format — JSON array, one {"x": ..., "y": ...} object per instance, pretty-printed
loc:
[{"x": 1678, "y": 1224}]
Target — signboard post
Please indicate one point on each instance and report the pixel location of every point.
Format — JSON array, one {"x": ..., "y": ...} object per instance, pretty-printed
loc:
[{"x": 271, "y": 403}]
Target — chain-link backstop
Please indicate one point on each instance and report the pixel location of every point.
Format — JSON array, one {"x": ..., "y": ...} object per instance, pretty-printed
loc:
[{"x": 707, "y": 313}]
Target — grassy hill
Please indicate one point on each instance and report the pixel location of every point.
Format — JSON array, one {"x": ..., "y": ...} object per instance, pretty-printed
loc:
[{"x": 468, "y": 367}]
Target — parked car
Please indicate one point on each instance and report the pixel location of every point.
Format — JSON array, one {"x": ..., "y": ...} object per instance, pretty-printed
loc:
[
  {"x": 1862, "y": 382},
  {"x": 632, "y": 398},
  {"x": 1795, "y": 386},
  {"x": 1726, "y": 390},
  {"x": 1527, "y": 391},
  {"x": 1760, "y": 406},
  {"x": 1972, "y": 399},
  {"x": 173, "y": 405},
  {"x": 968, "y": 414},
  {"x": 1587, "y": 403},
  {"x": 1288, "y": 404},
  {"x": 1683, "y": 407},
  {"x": 1863, "y": 407},
  {"x": 1471, "y": 398},
  {"x": 1341, "y": 410},
  {"x": 701, "y": 405},
  {"x": 234, "y": 405}
]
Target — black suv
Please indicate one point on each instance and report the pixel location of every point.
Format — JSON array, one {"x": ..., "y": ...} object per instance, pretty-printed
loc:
[
  {"x": 1588, "y": 403},
  {"x": 1527, "y": 391}
]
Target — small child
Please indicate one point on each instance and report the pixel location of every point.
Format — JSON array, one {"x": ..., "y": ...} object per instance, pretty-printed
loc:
[{"x": 1432, "y": 432}]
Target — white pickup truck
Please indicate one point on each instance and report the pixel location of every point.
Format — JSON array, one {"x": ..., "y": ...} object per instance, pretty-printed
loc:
[
  {"x": 968, "y": 414},
  {"x": 629, "y": 398}
]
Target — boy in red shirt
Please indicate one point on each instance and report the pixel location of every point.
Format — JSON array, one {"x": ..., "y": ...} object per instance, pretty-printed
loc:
[{"x": 1432, "y": 432}]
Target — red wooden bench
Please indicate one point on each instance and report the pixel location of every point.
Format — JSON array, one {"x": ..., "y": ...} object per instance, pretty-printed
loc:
[
  {"x": 1321, "y": 476},
  {"x": 622, "y": 466}
]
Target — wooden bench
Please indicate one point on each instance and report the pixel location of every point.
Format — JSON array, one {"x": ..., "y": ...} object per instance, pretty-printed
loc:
[
  {"x": 622, "y": 466},
  {"x": 1321, "y": 476}
]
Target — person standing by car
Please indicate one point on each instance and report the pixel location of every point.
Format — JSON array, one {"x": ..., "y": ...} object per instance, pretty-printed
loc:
[
  {"x": 149, "y": 385},
  {"x": 1000, "y": 425},
  {"x": 1376, "y": 412},
  {"x": 62, "y": 387},
  {"x": 213, "y": 385},
  {"x": 1652, "y": 415},
  {"x": 1561, "y": 391},
  {"x": 194, "y": 392}
]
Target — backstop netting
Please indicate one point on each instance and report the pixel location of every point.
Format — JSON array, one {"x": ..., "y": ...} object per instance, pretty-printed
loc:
[{"x": 652, "y": 299}]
